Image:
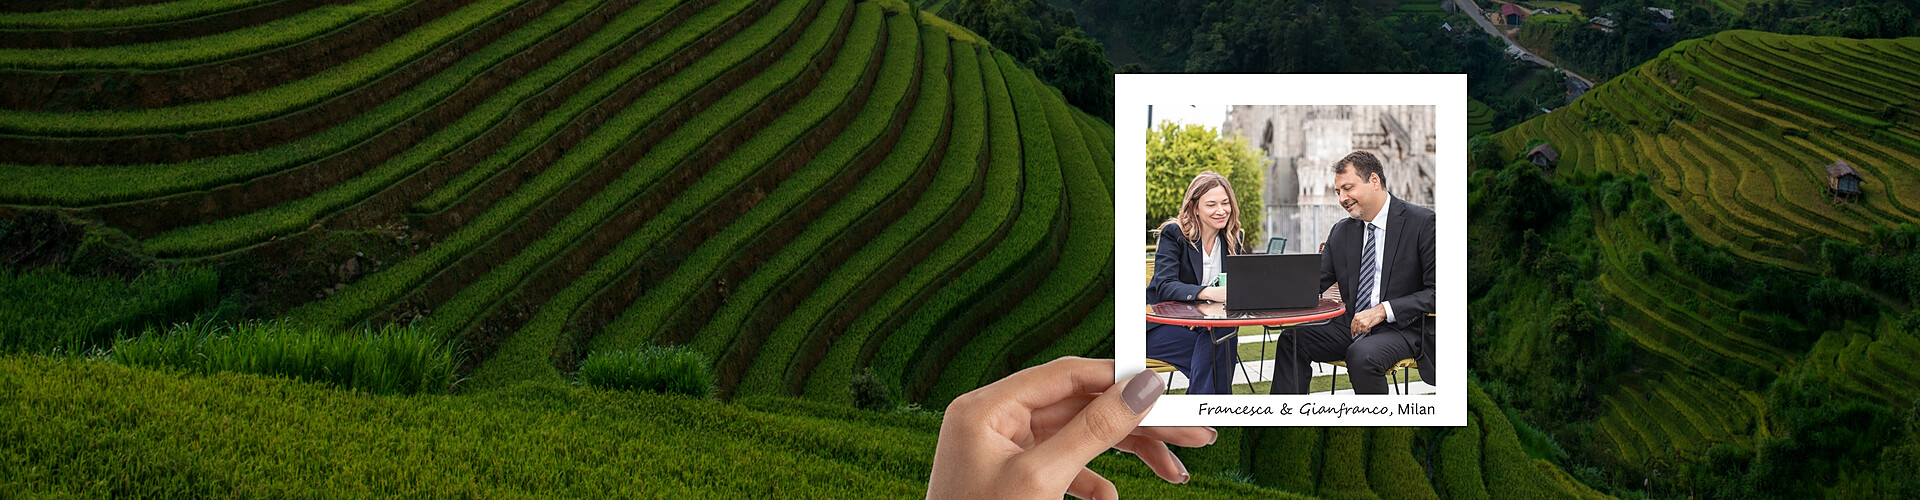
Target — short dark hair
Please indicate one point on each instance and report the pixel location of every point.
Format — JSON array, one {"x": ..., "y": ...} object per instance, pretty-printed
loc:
[{"x": 1363, "y": 163}]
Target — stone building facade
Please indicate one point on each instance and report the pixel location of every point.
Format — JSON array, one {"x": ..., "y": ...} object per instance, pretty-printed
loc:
[{"x": 1303, "y": 142}]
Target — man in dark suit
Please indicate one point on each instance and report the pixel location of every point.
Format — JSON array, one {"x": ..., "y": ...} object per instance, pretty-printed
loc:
[{"x": 1383, "y": 259}]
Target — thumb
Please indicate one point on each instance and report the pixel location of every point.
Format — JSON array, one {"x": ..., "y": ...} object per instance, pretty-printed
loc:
[{"x": 1105, "y": 421}]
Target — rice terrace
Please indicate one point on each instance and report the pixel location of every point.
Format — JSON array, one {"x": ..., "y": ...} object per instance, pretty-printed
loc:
[{"x": 729, "y": 248}]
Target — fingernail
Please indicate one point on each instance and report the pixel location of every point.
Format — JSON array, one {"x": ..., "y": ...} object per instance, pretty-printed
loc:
[
  {"x": 1216, "y": 436},
  {"x": 1142, "y": 391},
  {"x": 1184, "y": 477}
]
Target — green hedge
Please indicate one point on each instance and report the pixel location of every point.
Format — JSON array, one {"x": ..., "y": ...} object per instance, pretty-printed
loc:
[
  {"x": 257, "y": 106},
  {"x": 774, "y": 366},
  {"x": 51, "y": 311},
  {"x": 998, "y": 199},
  {"x": 1040, "y": 201},
  {"x": 392, "y": 360},
  {"x": 1288, "y": 458},
  {"x": 294, "y": 216},
  {"x": 526, "y": 353},
  {"x": 367, "y": 296},
  {"x": 1087, "y": 270},
  {"x": 1392, "y": 472},
  {"x": 1457, "y": 470}
]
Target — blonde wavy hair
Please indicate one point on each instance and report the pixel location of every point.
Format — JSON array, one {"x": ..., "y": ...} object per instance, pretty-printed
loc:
[{"x": 1189, "y": 216}]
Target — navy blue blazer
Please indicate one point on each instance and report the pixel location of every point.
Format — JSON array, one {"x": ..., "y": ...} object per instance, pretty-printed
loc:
[{"x": 1177, "y": 264}]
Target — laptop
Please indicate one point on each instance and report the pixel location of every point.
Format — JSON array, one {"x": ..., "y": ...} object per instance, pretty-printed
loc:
[{"x": 1279, "y": 281}]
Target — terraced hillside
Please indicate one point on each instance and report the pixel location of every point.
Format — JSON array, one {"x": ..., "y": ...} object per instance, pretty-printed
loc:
[
  {"x": 1732, "y": 134},
  {"x": 1741, "y": 125},
  {"x": 798, "y": 188}
]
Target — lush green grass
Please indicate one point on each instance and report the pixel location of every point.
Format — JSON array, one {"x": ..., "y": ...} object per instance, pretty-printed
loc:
[
  {"x": 130, "y": 16},
  {"x": 996, "y": 209},
  {"x": 365, "y": 297},
  {"x": 524, "y": 354},
  {"x": 730, "y": 333},
  {"x": 391, "y": 360},
  {"x": 102, "y": 429},
  {"x": 1041, "y": 199},
  {"x": 1479, "y": 118},
  {"x": 1086, "y": 272},
  {"x": 485, "y": 293},
  {"x": 251, "y": 107},
  {"x": 774, "y": 367},
  {"x": 666, "y": 370},
  {"x": 293, "y": 216},
  {"x": 91, "y": 185},
  {"x": 290, "y": 30},
  {"x": 49, "y": 310},
  {"x": 640, "y": 323},
  {"x": 594, "y": 94}
]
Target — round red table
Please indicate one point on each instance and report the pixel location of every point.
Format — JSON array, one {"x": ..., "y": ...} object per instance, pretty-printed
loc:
[{"x": 1215, "y": 314}]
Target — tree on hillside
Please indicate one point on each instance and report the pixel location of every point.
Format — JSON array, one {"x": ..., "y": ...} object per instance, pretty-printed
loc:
[
  {"x": 1176, "y": 153},
  {"x": 1050, "y": 41}
]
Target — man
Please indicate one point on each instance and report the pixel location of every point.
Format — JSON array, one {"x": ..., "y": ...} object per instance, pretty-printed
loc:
[{"x": 1383, "y": 259}]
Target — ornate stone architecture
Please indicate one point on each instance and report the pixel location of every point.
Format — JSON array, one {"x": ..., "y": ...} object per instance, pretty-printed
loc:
[{"x": 1302, "y": 142}]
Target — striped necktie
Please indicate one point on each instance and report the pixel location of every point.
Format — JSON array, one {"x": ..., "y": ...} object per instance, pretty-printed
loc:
[{"x": 1363, "y": 297}]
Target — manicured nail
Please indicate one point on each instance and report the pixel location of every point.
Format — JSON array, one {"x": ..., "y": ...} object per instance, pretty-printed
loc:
[
  {"x": 1142, "y": 391},
  {"x": 1216, "y": 436}
]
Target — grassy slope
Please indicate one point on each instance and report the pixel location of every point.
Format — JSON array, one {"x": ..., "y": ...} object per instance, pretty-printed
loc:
[{"x": 103, "y": 429}]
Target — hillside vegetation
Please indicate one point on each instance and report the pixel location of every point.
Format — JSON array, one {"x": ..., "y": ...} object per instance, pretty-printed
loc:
[
  {"x": 1682, "y": 293},
  {"x": 786, "y": 186}
]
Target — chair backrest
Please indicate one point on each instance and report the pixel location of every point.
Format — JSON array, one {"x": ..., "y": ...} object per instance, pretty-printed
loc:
[{"x": 1276, "y": 245}]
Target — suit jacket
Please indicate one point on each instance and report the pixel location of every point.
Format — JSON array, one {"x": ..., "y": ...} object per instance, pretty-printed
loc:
[
  {"x": 1406, "y": 271},
  {"x": 1177, "y": 264}
]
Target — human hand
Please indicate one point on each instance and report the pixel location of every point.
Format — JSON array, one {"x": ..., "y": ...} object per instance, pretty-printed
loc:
[
  {"x": 1214, "y": 293},
  {"x": 1030, "y": 435},
  {"x": 1364, "y": 321}
]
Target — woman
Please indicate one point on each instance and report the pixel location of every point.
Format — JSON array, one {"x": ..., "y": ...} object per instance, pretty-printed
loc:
[{"x": 1193, "y": 246}]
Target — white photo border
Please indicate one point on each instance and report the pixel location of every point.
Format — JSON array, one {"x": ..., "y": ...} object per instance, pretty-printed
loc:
[{"x": 1446, "y": 92}]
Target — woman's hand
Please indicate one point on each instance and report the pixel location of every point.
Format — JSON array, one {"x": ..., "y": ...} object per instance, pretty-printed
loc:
[
  {"x": 1214, "y": 293},
  {"x": 1031, "y": 435}
]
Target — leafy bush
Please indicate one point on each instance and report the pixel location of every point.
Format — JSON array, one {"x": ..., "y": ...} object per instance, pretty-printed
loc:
[
  {"x": 392, "y": 360},
  {"x": 670, "y": 370},
  {"x": 869, "y": 393}
]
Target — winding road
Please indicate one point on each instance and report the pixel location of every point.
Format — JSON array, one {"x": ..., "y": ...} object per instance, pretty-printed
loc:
[{"x": 1479, "y": 17}]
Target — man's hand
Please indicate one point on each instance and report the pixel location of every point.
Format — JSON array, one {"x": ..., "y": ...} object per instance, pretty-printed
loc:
[
  {"x": 1214, "y": 293},
  {"x": 1364, "y": 321}
]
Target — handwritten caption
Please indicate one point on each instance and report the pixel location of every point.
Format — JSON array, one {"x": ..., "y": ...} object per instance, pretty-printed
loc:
[{"x": 1309, "y": 409}]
